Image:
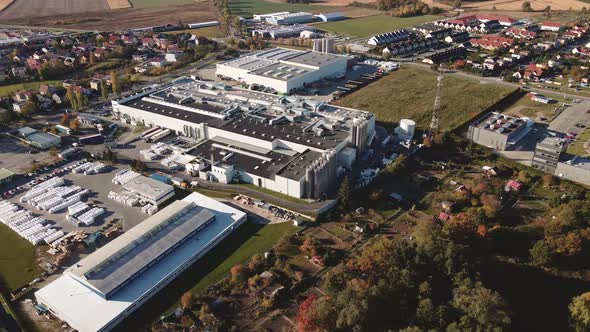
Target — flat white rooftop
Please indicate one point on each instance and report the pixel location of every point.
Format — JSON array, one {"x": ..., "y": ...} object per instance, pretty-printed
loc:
[
  {"x": 148, "y": 187},
  {"x": 78, "y": 301}
]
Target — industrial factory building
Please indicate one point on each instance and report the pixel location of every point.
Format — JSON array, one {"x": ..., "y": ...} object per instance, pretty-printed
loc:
[
  {"x": 499, "y": 131},
  {"x": 107, "y": 286},
  {"x": 289, "y": 18},
  {"x": 284, "y": 70},
  {"x": 289, "y": 144}
]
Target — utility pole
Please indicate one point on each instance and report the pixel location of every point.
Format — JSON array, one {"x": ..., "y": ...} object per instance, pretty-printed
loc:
[{"x": 434, "y": 121}]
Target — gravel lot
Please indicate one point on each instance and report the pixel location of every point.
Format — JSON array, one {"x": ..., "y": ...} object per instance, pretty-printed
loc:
[
  {"x": 16, "y": 157},
  {"x": 25, "y": 8}
]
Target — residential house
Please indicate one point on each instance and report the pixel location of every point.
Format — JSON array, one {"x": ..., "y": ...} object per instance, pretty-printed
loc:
[
  {"x": 59, "y": 97},
  {"x": 457, "y": 37},
  {"x": 491, "y": 42},
  {"x": 19, "y": 72},
  {"x": 158, "y": 62},
  {"x": 534, "y": 71},
  {"x": 513, "y": 185},
  {"x": 173, "y": 56},
  {"x": 551, "y": 26},
  {"x": 521, "y": 33},
  {"x": 446, "y": 55}
]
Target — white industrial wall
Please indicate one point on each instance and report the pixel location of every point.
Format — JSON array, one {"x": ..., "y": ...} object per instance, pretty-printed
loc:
[{"x": 280, "y": 184}]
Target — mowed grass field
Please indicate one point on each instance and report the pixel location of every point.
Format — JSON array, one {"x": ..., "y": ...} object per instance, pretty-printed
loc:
[
  {"x": 158, "y": 3},
  {"x": 17, "y": 260},
  {"x": 6, "y": 90},
  {"x": 577, "y": 147},
  {"x": 526, "y": 107},
  {"x": 372, "y": 25},
  {"x": 209, "y": 32},
  {"x": 250, "y": 7},
  {"x": 410, "y": 92}
]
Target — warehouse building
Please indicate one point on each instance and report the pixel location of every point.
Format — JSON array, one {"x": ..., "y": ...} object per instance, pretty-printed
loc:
[
  {"x": 284, "y": 70},
  {"x": 499, "y": 131},
  {"x": 289, "y": 144},
  {"x": 5, "y": 176},
  {"x": 39, "y": 139},
  {"x": 104, "y": 288},
  {"x": 290, "y": 18},
  {"x": 330, "y": 17},
  {"x": 150, "y": 190},
  {"x": 283, "y": 31}
]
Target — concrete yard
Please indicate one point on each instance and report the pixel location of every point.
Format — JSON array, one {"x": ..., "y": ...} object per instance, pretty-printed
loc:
[
  {"x": 99, "y": 185},
  {"x": 567, "y": 120}
]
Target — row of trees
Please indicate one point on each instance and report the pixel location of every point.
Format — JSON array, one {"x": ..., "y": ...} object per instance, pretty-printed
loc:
[{"x": 406, "y": 8}]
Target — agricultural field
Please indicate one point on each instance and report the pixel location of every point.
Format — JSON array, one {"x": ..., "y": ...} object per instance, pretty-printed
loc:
[
  {"x": 516, "y": 5},
  {"x": 91, "y": 17},
  {"x": 17, "y": 260},
  {"x": 410, "y": 91},
  {"x": 372, "y": 25},
  {"x": 158, "y": 3},
  {"x": 250, "y": 7},
  {"x": 119, "y": 4},
  {"x": 28, "y": 8}
]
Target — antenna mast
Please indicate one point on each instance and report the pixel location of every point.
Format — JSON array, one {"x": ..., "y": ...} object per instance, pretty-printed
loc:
[{"x": 434, "y": 121}]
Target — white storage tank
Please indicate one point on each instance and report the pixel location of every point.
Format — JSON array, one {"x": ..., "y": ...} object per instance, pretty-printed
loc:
[{"x": 409, "y": 126}]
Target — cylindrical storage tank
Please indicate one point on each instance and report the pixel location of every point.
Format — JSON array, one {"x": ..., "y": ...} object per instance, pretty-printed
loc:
[{"x": 407, "y": 125}]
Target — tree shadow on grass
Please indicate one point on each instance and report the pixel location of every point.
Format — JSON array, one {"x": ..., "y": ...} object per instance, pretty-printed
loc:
[{"x": 539, "y": 301}]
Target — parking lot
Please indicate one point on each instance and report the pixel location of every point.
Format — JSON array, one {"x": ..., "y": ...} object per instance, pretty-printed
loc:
[{"x": 571, "y": 116}]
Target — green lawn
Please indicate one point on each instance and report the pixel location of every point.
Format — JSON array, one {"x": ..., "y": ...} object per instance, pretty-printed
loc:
[
  {"x": 372, "y": 25},
  {"x": 526, "y": 107},
  {"x": 250, "y": 7},
  {"x": 577, "y": 147},
  {"x": 410, "y": 91},
  {"x": 215, "y": 193},
  {"x": 7, "y": 90},
  {"x": 158, "y": 3},
  {"x": 259, "y": 239},
  {"x": 17, "y": 260},
  {"x": 208, "y": 32},
  {"x": 275, "y": 193}
]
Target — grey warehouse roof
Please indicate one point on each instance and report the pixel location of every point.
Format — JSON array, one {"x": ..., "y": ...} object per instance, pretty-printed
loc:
[{"x": 127, "y": 262}]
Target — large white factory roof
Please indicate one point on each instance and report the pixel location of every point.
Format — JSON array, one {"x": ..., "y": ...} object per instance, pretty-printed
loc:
[
  {"x": 103, "y": 287},
  {"x": 283, "y": 64},
  {"x": 263, "y": 116}
]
